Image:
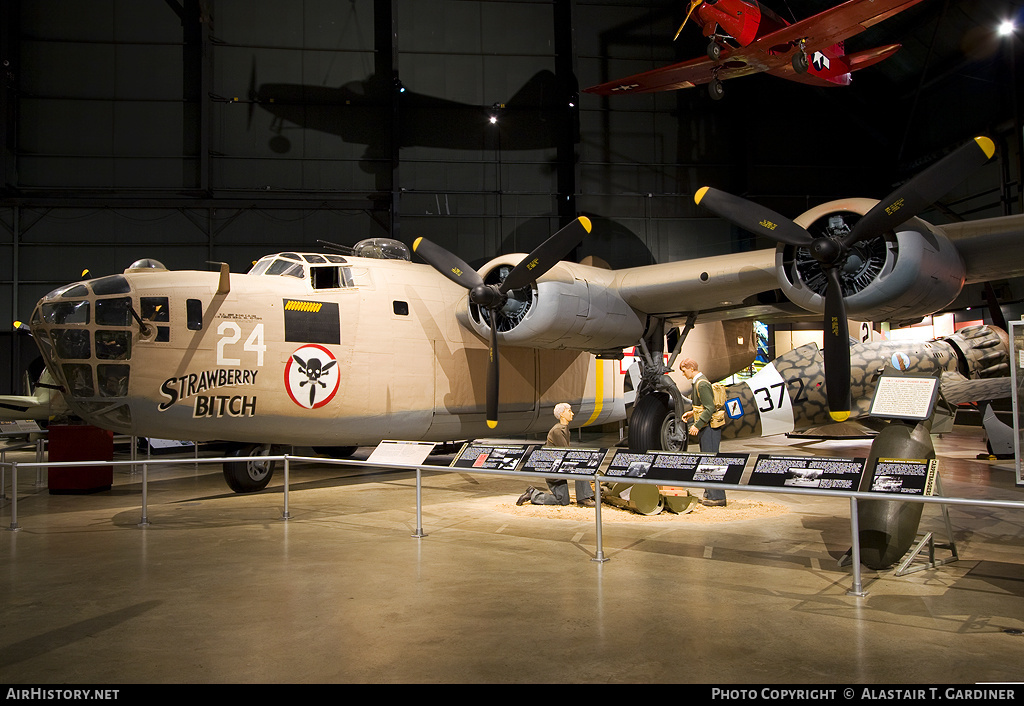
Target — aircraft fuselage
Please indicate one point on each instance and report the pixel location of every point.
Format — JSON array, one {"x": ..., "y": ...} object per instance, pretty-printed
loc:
[{"x": 348, "y": 353}]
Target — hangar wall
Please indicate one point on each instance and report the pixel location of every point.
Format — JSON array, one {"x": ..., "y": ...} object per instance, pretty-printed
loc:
[{"x": 219, "y": 130}]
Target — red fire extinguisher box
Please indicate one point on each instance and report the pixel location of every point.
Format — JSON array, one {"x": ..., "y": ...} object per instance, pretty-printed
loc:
[{"x": 79, "y": 442}]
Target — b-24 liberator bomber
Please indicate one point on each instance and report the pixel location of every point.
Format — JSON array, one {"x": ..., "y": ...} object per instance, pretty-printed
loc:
[{"x": 341, "y": 350}]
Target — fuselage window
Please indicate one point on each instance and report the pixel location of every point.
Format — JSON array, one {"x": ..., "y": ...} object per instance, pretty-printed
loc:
[
  {"x": 194, "y": 314},
  {"x": 155, "y": 309},
  {"x": 401, "y": 308}
]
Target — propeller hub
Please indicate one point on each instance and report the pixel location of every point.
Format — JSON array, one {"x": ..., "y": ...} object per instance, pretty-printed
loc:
[
  {"x": 486, "y": 296},
  {"x": 826, "y": 250}
]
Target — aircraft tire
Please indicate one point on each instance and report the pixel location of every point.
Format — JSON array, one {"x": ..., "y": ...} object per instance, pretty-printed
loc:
[
  {"x": 651, "y": 423},
  {"x": 252, "y": 474},
  {"x": 716, "y": 90},
  {"x": 800, "y": 63},
  {"x": 714, "y": 51}
]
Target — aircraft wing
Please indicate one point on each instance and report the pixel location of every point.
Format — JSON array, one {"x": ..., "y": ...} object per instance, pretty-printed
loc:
[
  {"x": 834, "y": 25},
  {"x": 768, "y": 53},
  {"x": 989, "y": 247},
  {"x": 669, "y": 78},
  {"x": 722, "y": 283}
]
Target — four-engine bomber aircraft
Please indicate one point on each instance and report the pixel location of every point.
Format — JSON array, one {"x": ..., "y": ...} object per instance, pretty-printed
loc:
[
  {"x": 748, "y": 38},
  {"x": 332, "y": 350}
]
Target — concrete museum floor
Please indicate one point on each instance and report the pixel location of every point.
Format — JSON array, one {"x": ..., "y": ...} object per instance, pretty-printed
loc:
[{"x": 219, "y": 588}]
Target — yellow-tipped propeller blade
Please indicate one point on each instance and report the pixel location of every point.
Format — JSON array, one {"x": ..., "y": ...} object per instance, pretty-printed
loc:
[{"x": 693, "y": 6}]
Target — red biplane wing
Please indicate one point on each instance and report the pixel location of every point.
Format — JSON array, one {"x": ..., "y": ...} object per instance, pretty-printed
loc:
[{"x": 773, "y": 52}]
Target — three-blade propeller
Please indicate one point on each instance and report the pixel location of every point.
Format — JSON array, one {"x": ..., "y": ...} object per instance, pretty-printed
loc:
[
  {"x": 493, "y": 296},
  {"x": 831, "y": 252}
]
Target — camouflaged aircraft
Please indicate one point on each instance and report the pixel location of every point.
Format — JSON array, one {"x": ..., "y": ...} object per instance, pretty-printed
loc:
[
  {"x": 341, "y": 350},
  {"x": 787, "y": 395}
]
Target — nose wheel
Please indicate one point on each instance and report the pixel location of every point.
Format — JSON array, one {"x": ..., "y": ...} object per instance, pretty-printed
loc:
[{"x": 251, "y": 472}]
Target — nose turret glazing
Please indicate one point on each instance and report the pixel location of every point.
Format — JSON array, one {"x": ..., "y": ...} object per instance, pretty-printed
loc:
[{"x": 85, "y": 333}]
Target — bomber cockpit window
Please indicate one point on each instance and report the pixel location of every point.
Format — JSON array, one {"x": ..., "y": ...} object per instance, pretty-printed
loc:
[
  {"x": 330, "y": 277},
  {"x": 261, "y": 266},
  {"x": 283, "y": 267}
]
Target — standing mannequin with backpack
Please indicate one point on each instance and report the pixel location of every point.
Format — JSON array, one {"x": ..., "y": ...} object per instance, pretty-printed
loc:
[{"x": 708, "y": 418}]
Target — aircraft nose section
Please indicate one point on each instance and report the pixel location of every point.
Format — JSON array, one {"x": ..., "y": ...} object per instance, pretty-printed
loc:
[{"x": 85, "y": 332}]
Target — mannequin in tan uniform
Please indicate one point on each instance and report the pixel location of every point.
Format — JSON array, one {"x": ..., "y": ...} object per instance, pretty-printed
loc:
[{"x": 559, "y": 489}]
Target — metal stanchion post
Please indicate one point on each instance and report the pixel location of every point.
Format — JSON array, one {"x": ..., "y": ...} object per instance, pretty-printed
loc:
[
  {"x": 857, "y": 589},
  {"x": 287, "y": 470},
  {"x": 419, "y": 505},
  {"x": 599, "y": 556},
  {"x": 144, "y": 521},
  {"x": 14, "y": 497}
]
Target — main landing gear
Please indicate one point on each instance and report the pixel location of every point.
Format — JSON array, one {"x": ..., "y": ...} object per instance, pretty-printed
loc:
[{"x": 659, "y": 404}]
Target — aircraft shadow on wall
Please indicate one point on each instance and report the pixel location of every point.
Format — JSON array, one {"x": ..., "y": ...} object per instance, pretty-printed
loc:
[{"x": 360, "y": 112}]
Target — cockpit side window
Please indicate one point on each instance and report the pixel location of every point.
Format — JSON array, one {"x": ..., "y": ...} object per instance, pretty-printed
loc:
[
  {"x": 260, "y": 267},
  {"x": 283, "y": 267},
  {"x": 330, "y": 277}
]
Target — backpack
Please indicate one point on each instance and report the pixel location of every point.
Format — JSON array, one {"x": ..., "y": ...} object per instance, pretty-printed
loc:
[{"x": 718, "y": 418}]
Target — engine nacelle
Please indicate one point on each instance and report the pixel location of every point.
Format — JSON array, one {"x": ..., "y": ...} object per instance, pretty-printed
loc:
[
  {"x": 903, "y": 275},
  {"x": 571, "y": 306}
]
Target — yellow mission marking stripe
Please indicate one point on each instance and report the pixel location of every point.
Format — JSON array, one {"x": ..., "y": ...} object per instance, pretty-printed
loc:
[
  {"x": 303, "y": 306},
  {"x": 598, "y": 392}
]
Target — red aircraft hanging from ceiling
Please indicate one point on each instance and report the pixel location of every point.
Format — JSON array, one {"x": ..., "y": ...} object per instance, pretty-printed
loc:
[{"x": 747, "y": 38}]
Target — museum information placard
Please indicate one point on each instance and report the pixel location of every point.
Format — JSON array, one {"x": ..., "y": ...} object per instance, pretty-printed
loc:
[
  {"x": 807, "y": 472},
  {"x": 679, "y": 467},
  {"x": 550, "y": 459},
  {"x": 903, "y": 476},
  {"x": 904, "y": 397},
  {"x": 493, "y": 457}
]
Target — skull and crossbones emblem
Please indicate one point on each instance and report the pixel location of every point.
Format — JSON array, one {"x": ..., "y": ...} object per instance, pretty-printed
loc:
[{"x": 311, "y": 367}]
